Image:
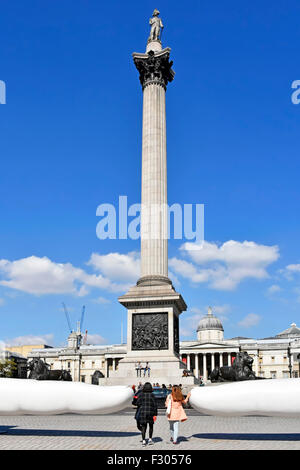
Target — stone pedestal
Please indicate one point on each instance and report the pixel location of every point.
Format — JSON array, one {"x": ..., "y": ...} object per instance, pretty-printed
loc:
[
  {"x": 153, "y": 332},
  {"x": 153, "y": 45}
]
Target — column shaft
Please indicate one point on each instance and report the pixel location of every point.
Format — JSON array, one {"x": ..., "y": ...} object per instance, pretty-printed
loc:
[
  {"x": 204, "y": 368},
  {"x": 212, "y": 361},
  {"x": 197, "y": 365},
  {"x": 188, "y": 361},
  {"x": 154, "y": 227}
]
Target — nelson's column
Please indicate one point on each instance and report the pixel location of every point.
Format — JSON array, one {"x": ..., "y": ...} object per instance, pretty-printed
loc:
[{"x": 153, "y": 305}]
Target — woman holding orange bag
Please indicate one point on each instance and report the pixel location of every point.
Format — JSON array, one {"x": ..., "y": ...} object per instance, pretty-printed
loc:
[
  {"x": 175, "y": 411},
  {"x": 146, "y": 412}
]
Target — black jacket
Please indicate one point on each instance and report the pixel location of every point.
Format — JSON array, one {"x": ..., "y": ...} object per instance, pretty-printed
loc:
[{"x": 146, "y": 408}]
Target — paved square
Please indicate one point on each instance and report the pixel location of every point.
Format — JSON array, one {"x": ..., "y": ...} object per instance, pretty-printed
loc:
[{"x": 119, "y": 432}]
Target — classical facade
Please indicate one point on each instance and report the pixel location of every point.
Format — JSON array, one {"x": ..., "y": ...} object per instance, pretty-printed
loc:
[{"x": 274, "y": 357}]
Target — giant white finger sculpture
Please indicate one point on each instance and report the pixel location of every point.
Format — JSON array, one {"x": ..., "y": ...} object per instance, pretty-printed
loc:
[
  {"x": 49, "y": 397},
  {"x": 277, "y": 397}
]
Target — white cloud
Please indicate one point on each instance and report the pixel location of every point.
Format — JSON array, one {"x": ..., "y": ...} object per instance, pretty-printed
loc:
[
  {"x": 224, "y": 267},
  {"x": 30, "y": 339},
  {"x": 293, "y": 268},
  {"x": 290, "y": 271},
  {"x": 117, "y": 266},
  {"x": 174, "y": 279},
  {"x": 273, "y": 289},
  {"x": 95, "y": 339},
  {"x": 40, "y": 276},
  {"x": 2, "y": 348},
  {"x": 250, "y": 320},
  {"x": 1, "y": 301},
  {"x": 102, "y": 300}
]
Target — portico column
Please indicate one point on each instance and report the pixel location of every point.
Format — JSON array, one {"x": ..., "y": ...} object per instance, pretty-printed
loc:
[
  {"x": 188, "y": 364},
  {"x": 212, "y": 361},
  {"x": 114, "y": 363},
  {"x": 204, "y": 367},
  {"x": 256, "y": 364},
  {"x": 221, "y": 359},
  {"x": 197, "y": 365},
  {"x": 229, "y": 359}
]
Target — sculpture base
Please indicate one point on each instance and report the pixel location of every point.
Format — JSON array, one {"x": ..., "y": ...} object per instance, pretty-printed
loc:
[
  {"x": 153, "y": 45},
  {"x": 153, "y": 308},
  {"x": 163, "y": 370}
]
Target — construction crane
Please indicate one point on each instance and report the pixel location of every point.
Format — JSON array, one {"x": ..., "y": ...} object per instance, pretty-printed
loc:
[
  {"x": 67, "y": 317},
  {"x": 82, "y": 316}
]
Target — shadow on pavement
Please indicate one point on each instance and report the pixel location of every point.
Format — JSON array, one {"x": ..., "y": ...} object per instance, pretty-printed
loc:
[
  {"x": 5, "y": 429},
  {"x": 13, "y": 431},
  {"x": 250, "y": 437}
]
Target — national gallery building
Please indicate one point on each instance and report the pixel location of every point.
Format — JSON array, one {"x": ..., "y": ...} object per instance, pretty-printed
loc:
[{"x": 273, "y": 357}]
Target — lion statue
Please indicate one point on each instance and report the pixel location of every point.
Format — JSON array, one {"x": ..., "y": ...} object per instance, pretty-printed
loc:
[
  {"x": 241, "y": 369},
  {"x": 40, "y": 370}
]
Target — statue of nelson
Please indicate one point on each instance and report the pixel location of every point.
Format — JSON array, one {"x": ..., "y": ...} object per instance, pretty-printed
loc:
[{"x": 156, "y": 26}]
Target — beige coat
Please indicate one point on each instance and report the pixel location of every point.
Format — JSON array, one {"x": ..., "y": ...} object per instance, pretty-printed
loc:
[{"x": 177, "y": 411}]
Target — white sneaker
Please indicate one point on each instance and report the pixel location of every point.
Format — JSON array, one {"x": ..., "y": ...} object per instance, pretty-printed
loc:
[
  {"x": 150, "y": 442},
  {"x": 144, "y": 444}
]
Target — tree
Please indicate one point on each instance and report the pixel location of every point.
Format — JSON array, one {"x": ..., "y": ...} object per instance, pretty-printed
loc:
[{"x": 7, "y": 367}]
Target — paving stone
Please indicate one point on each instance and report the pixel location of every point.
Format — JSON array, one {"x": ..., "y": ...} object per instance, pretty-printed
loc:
[{"x": 119, "y": 432}]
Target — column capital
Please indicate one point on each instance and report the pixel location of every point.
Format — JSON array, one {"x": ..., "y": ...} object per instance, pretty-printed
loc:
[{"x": 154, "y": 67}]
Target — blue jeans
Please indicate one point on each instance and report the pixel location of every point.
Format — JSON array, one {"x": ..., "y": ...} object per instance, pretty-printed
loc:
[{"x": 174, "y": 426}]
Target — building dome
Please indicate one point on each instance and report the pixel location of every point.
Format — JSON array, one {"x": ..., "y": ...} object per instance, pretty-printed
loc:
[
  {"x": 210, "y": 328},
  {"x": 292, "y": 332}
]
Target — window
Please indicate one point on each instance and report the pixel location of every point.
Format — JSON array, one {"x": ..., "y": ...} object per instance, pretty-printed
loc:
[
  {"x": 93, "y": 364},
  {"x": 285, "y": 374},
  {"x": 273, "y": 374},
  {"x": 69, "y": 365},
  {"x": 83, "y": 378},
  {"x": 82, "y": 364}
]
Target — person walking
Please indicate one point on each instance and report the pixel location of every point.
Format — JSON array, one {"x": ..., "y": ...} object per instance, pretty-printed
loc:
[
  {"x": 146, "y": 412},
  {"x": 175, "y": 412}
]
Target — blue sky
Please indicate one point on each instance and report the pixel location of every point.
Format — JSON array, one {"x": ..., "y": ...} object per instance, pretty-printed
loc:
[{"x": 70, "y": 139}]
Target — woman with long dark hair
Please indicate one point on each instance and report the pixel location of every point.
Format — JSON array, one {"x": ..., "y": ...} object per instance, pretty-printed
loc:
[
  {"x": 175, "y": 411},
  {"x": 146, "y": 411}
]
